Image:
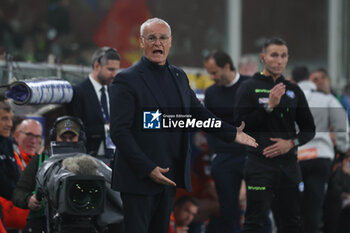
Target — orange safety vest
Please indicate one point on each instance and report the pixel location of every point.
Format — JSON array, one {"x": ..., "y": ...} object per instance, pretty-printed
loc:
[{"x": 23, "y": 158}]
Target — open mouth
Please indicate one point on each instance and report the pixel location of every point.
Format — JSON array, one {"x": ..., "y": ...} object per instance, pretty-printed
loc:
[{"x": 157, "y": 51}]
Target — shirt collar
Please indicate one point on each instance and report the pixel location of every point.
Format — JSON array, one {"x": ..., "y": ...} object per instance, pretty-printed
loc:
[
  {"x": 269, "y": 78},
  {"x": 97, "y": 86},
  {"x": 153, "y": 65},
  {"x": 234, "y": 81}
]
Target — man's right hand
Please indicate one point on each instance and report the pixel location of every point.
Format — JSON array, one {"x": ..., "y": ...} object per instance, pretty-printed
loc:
[
  {"x": 243, "y": 138},
  {"x": 33, "y": 203},
  {"x": 157, "y": 176}
]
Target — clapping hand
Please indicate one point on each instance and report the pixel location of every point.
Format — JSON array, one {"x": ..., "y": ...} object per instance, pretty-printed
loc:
[{"x": 275, "y": 94}]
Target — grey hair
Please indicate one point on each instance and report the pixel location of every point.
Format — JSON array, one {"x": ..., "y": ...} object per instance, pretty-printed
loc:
[
  {"x": 248, "y": 58},
  {"x": 153, "y": 20}
]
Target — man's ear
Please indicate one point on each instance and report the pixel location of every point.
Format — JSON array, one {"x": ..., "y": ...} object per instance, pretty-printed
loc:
[
  {"x": 142, "y": 42},
  {"x": 16, "y": 135},
  {"x": 227, "y": 67},
  {"x": 262, "y": 58},
  {"x": 170, "y": 41},
  {"x": 96, "y": 65}
]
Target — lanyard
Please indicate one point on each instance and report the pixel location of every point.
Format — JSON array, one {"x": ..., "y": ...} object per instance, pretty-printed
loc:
[{"x": 104, "y": 115}]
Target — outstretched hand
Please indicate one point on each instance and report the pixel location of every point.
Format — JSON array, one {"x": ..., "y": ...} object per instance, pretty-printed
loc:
[
  {"x": 243, "y": 138},
  {"x": 157, "y": 176}
]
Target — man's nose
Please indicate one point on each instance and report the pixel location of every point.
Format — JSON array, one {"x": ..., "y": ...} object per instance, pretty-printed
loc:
[
  {"x": 157, "y": 42},
  {"x": 279, "y": 59}
]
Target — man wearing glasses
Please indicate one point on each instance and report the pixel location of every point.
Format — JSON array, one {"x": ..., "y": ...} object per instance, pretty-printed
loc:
[
  {"x": 151, "y": 162},
  {"x": 28, "y": 139},
  {"x": 91, "y": 102},
  {"x": 65, "y": 129}
]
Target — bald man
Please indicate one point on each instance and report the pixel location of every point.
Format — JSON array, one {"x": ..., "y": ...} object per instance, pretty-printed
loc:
[{"x": 28, "y": 136}]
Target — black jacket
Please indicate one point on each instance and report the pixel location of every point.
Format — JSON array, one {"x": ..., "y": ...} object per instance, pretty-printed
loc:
[
  {"x": 86, "y": 106},
  {"x": 9, "y": 170},
  {"x": 280, "y": 123},
  {"x": 133, "y": 91},
  {"x": 220, "y": 101},
  {"x": 26, "y": 183}
]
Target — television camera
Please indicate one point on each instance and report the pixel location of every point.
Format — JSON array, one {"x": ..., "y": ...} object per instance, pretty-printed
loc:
[{"x": 77, "y": 191}]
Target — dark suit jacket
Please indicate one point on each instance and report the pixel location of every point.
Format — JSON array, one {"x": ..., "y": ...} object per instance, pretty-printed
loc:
[
  {"x": 86, "y": 106},
  {"x": 133, "y": 91},
  {"x": 220, "y": 101}
]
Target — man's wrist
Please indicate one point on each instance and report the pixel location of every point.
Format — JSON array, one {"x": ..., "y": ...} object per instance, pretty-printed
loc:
[
  {"x": 268, "y": 108},
  {"x": 295, "y": 142}
]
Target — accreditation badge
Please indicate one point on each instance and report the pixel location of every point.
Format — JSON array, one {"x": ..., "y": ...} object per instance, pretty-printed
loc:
[{"x": 109, "y": 145}]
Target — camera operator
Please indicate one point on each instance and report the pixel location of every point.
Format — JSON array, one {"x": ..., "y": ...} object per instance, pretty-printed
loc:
[{"x": 66, "y": 129}]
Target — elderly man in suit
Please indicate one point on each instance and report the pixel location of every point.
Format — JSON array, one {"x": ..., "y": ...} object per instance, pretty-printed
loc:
[
  {"x": 91, "y": 102},
  {"x": 154, "y": 157}
]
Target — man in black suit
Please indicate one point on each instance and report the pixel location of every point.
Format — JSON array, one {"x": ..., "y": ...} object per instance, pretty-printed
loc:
[
  {"x": 154, "y": 157},
  {"x": 228, "y": 159},
  {"x": 91, "y": 102}
]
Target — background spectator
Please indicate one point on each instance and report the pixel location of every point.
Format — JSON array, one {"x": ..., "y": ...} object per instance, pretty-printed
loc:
[{"x": 185, "y": 209}]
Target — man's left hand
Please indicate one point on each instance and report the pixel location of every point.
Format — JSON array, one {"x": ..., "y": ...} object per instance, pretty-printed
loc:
[
  {"x": 280, "y": 147},
  {"x": 243, "y": 138}
]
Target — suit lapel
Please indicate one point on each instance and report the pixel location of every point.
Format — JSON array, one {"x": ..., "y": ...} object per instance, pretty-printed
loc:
[{"x": 154, "y": 88}]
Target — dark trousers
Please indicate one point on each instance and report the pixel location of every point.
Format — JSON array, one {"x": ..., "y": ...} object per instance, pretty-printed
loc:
[
  {"x": 332, "y": 211},
  {"x": 276, "y": 186},
  {"x": 344, "y": 223},
  {"x": 148, "y": 213},
  {"x": 335, "y": 217},
  {"x": 227, "y": 173},
  {"x": 315, "y": 173}
]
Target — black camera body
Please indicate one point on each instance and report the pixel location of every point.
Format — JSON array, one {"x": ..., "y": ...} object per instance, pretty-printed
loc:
[
  {"x": 73, "y": 201},
  {"x": 81, "y": 195}
]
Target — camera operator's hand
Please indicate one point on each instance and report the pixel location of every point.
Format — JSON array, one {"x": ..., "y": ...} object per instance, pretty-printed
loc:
[
  {"x": 157, "y": 176},
  {"x": 33, "y": 203}
]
